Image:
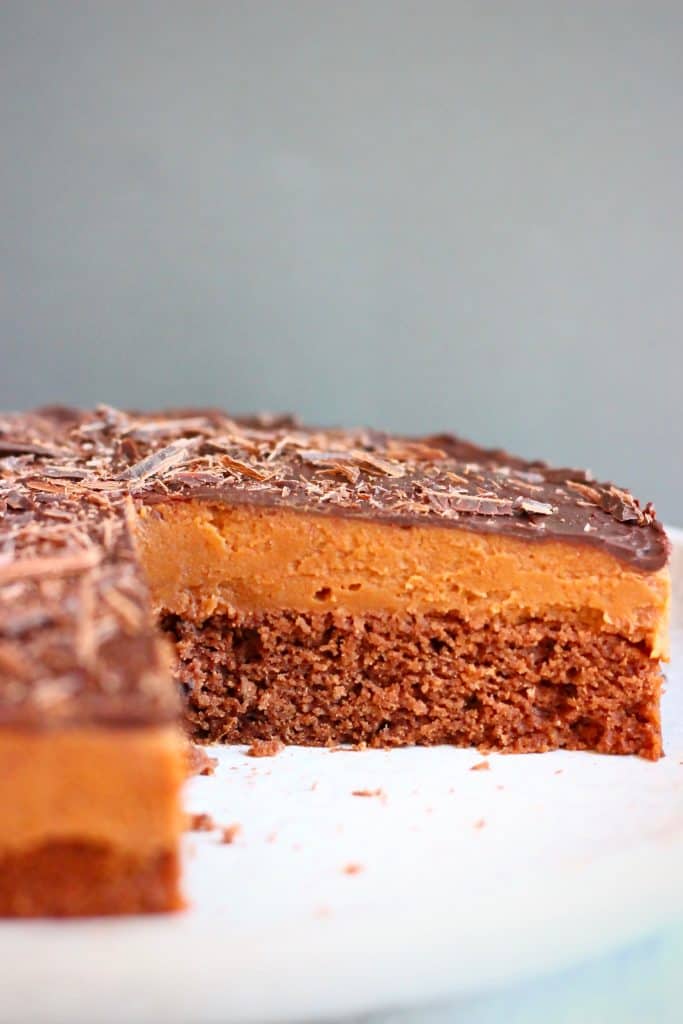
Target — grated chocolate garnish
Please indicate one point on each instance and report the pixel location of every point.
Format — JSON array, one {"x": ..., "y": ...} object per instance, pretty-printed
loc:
[{"x": 78, "y": 643}]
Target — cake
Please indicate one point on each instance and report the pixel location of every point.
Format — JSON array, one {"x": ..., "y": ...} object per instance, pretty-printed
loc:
[{"x": 251, "y": 579}]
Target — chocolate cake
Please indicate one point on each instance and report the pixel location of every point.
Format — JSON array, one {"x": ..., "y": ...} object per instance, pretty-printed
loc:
[{"x": 317, "y": 587}]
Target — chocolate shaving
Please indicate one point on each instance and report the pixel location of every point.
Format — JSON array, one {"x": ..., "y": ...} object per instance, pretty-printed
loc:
[
  {"x": 566, "y": 476},
  {"x": 373, "y": 464},
  {"x": 414, "y": 450},
  {"x": 533, "y": 507},
  {"x": 483, "y": 506},
  {"x": 44, "y": 486},
  {"x": 18, "y": 501},
  {"x": 160, "y": 461},
  {"x": 591, "y": 493},
  {"x": 63, "y": 565},
  {"x": 316, "y": 457},
  {"x": 622, "y": 506},
  {"x": 130, "y": 614},
  {"x": 146, "y": 430},
  {"x": 619, "y": 504},
  {"x": 22, "y": 448},
  {"x": 350, "y": 473},
  {"x": 197, "y": 477},
  {"x": 64, "y": 472},
  {"x": 129, "y": 450},
  {"x": 243, "y": 467}
]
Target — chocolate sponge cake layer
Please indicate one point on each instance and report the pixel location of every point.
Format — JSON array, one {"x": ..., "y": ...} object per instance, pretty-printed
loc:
[
  {"x": 396, "y": 679},
  {"x": 76, "y": 878}
]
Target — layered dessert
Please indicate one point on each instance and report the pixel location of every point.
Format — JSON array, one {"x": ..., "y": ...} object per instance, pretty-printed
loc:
[
  {"x": 317, "y": 587},
  {"x": 91, "y": 755}
]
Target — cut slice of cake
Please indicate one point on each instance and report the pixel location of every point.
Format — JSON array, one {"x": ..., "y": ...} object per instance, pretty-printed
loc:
[
  {"x": 91, "y": 756},
  {"x": 320, "y": 587}
]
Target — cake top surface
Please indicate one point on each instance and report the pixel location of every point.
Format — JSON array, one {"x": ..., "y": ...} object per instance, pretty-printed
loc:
[
  {"x": 74, "y": 608},
  {"x": 78, "y": 644},
  {"x": 56, "y": 454}
]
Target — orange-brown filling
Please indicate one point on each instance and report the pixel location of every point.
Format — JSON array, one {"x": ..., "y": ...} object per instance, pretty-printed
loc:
[
  {"x": 203, "y": 559},
  {"x": 112, "y": 786}
]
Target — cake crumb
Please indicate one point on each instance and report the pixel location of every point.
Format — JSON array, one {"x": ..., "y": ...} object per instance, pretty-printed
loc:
[
  {"x": 199, "y": 762},
  {"x": 229, "y": 833},
  {"x": 481, "y": 766},
  {"x": 314, "y": 786},
  {"x": 199, "y": 822},
  {"x": 265, "y": 748},
  {"x": 352, "y": 869},
  {"x": 480, "y": 824},
  {"x": 271, "y": 837},
  {"x": 368, "y": 792},
  {"x": 559, "y": 771}
]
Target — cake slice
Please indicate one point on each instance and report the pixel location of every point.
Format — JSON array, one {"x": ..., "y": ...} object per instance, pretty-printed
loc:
[
  {"x": 91, "y": 756},
  {"x": 319, "y": 587}
]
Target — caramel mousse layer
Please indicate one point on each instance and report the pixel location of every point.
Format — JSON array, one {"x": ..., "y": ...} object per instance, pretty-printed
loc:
[
  {"x": 204, "y": 559},
  {"x": 117, "y": 787}
]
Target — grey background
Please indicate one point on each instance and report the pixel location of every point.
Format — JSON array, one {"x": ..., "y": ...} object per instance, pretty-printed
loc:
[{"x": 419, "y": 215}]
